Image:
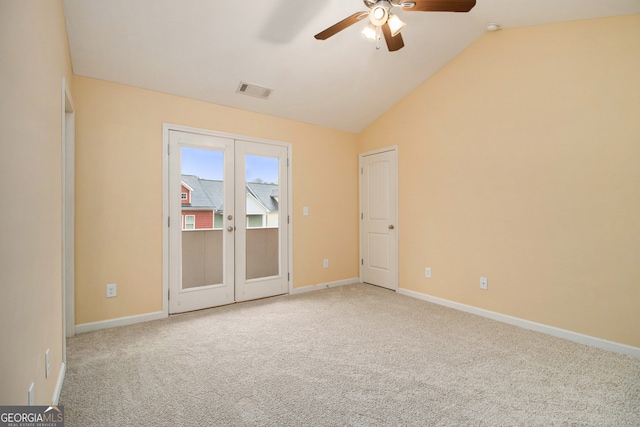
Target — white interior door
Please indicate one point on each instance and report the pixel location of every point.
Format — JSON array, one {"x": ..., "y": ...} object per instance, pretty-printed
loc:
[
  {"x": 378, "y": 214},
  {"x": 228, "y": 233}
]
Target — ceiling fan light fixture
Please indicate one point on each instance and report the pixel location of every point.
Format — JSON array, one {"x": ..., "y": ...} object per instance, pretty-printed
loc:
[
  {"x": 370, "y": 31},
  {"x": 378, "y": 15},
  {"x": 395, "y": 25}
]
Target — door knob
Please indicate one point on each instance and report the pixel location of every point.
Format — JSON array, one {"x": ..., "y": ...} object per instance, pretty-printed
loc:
[
  {"x": 391, "y": 227},
  {"x": 229, "y": 228}
]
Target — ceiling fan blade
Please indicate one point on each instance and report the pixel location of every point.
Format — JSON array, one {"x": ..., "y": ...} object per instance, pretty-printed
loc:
[
  {"x": 440, "y": 6},
  {"x": 393, "y": 43},
  {"x": 336, "y": 28}
]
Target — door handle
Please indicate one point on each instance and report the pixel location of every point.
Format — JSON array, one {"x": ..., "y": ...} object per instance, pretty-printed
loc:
[
  {"x": 229, "y": 229},
  {"x": 391, "y": 227}
]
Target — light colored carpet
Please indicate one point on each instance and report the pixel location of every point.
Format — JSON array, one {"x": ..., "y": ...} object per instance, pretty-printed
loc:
[{"x": 354, "y": 355}]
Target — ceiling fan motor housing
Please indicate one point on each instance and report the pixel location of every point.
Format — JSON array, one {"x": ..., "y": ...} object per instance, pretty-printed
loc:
[{"x": 389, "y": 3}]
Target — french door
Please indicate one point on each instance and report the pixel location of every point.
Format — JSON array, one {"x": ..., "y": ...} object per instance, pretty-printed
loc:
[{"x": 228, "y": 232}]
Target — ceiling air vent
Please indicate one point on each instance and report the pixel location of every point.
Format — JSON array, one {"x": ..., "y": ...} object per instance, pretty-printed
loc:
[{"x": 254, "y": 90}]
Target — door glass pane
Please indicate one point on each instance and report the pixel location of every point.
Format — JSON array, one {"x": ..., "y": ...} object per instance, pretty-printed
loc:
[
  {"x": 201, "y": 196},
  {"x": 263, "y": 217}
]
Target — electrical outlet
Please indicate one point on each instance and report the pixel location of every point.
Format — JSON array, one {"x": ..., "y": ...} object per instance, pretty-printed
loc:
[
  {"x": 325, "y": 264},
  {"x": 111, "y": 290},
  {"x": 47, "y": 363},
  {"x": 30, "y": 396},
  {"x": 427, "y": 272},
  {"x": 484, "y": 283}
]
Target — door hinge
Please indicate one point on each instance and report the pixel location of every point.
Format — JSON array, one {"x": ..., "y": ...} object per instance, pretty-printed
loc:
[
  {"x": 362, "y": 261},
  {"x": 361, "y": 215},
  {"x": 288, "y": 277},
  {"x": 168, "y": 294},
  {"x": 168, "y": 149},
  {"x": 287, "y": 162},
  {"x": 361, "y": 171},
  {"x": 288, "y": 219},
  {"x": 168, "y": 221}
]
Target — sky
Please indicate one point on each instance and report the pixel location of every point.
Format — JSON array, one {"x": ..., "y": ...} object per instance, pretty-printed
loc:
[{"x": 208, "y": 164}]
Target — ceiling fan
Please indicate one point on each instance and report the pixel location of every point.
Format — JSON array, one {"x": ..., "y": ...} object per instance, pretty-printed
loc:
[{"x": 382, "y": 20}]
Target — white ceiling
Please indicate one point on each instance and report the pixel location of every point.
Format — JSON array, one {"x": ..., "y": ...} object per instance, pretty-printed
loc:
[{"x": 202, "y": 49}]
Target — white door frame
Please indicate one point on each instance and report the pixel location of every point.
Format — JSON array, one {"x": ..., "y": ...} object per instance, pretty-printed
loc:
[
  {"x": 68, "y": 217},
  {"x": 393, "y": 148},
  {"x": 166, "y": 128}
]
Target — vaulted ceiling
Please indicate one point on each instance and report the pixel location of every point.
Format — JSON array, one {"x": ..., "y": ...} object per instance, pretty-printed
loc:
[{"x": 203, "y": 49}]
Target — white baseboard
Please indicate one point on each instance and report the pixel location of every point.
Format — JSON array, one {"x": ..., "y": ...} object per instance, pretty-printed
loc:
[
  {"x": 319, "y": 286},
  {"x": 56, "y": 392},
  {"x": 526, "y": 324},
  {"x": 120, "y": 321}
]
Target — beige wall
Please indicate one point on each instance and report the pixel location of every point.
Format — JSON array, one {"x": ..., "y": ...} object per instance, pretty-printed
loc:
[
  {"x": 520, "y": 161},
  {"x": 34, "y": 55},
  {"x": 119, "y": 193}
]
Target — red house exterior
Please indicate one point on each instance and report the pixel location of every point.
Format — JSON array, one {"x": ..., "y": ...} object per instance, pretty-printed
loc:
[
  {"x": 202, "y": 219},
  {"x": 185, "y": 194},
  {"x": 194, "y": 219}
]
